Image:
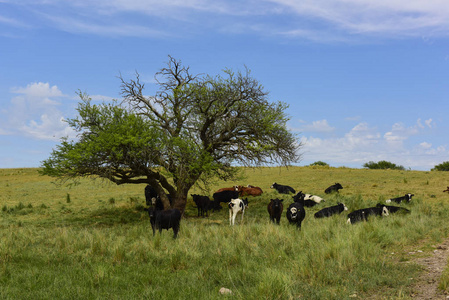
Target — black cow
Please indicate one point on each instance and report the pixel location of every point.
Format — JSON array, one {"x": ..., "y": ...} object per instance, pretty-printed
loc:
[
  {"x": 300, "y": 198},
  {"x": 332, "y": 210},
  {"x": 165, "y": 219},
  {"x": 296, "y": 213},
  {"x": 152, "y": 198},
  {"x": 406, "y": 197},
  {"x": 223, "y": 196},
  {"x": 150, "y": 195},
  {"x": 394, "y": 209},
  {"x": 203, "y": 204},
  {"x": 283, "y": 189},
  {"x": 364, "y": 213},
  {"x": 333, "y": 188},
  {"x": 275, "y": 208}
]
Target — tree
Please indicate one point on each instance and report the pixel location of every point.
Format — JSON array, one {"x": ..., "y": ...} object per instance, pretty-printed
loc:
[
  {"x": 192, "y": 129},
  {"x": 319, "y": 163},
  {"x": 444, "y": 166},
  {"x": 383, "y": 164}
]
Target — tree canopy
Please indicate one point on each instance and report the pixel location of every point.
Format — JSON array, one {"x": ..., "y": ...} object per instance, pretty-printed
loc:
[
  {"x": 193, "y": 128},
  {"x": 383, "y": 164}
]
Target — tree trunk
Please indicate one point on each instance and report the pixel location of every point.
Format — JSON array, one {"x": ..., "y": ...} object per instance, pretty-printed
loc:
[{"x": 181, "y": 202}]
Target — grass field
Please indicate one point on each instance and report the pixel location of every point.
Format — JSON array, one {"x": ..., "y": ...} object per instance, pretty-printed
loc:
[{"x": 93, "y": 240}]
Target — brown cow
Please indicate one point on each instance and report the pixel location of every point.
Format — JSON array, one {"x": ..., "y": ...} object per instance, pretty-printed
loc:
[
  {"x": 446, "y": 190},
  {"x": 225, "y": 189},
  {"x": 246, "y": 191},
  {"x": 254, "y": 187}
]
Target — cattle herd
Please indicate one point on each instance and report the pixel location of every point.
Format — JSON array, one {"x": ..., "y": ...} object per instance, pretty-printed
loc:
[{"x": 295, "y": 213}]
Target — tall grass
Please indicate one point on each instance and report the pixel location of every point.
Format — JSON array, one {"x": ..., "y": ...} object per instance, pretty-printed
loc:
[{"x": 87, "y": 248}]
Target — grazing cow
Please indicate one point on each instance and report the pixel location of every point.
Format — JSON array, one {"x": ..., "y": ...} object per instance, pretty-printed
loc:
[
  {"x": 224, "y": 196},
  {"x": 246, "y": 191},
  {"x": 300, "y": 197},
  {"x": 333, "y": 188},
  {"x": 165, "y": 219},
  {"x": 275, "y": 208},
  {"x": 364, "y": 213},
  {"x": 332, "y": 210},
  {"x": 446, "y": 190},
  {"x": 203, "y": 204},
  {"x": 283, "y": 189},
  {"x": 394, "y": 209},
  {"x": 236, "y": 205},
  {"x": 406, "y": 197}
]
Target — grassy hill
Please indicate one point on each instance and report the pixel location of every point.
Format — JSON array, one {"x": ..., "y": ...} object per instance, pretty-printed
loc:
[{"x": 93, "y": 239}]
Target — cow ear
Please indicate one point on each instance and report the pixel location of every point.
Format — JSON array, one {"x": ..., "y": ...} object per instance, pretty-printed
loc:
[{"x": 281, "y": 200}]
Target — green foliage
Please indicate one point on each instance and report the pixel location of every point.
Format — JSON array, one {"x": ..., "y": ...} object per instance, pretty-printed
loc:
[
  {"x": 319, "y": 163},
  {"x": 442, "y": 167},
  {"x": 383, "y": 165}
]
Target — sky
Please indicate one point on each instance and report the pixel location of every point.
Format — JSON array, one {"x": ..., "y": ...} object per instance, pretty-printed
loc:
[{"x": 365, "y": 80}]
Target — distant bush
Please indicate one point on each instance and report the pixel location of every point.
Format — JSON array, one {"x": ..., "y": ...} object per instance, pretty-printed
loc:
[
  {"x": 319, "y": 163},
  {"x": 383, "y": 165},
  {"x": 442, "y": 167}
]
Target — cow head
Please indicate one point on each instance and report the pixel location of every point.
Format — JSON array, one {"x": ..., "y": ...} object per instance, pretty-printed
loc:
[
  {"x": 276, "y": 203},
  {"x": 344, "y": 206},
  {"x": 294, "y": 212}
]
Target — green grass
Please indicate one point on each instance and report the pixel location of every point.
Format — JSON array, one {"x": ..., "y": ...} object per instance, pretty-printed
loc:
[{"x": 93, "y": 247}]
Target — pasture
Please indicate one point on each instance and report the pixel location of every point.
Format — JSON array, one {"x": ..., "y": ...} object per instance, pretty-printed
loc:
[{"x": 94, "y": 240}]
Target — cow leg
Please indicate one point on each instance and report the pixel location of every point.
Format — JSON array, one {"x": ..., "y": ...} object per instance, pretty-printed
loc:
[
  {"x": 152, "y": 227},
  {"x": 175, "y": 232}
]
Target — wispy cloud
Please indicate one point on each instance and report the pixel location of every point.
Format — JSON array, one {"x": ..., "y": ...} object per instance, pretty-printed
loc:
[{"x": 316, "y": 20}]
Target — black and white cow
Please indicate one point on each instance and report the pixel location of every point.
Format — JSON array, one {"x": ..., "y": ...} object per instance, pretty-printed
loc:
[
  {"x": 275, "y": 208},
  {"x": 332, "y": 210},
  {"x": 283, "y": 189},
  {"x": 364, "y": 213},
  {"x": 315, "y": 198},
  {"x": 394, "y": 209},
  {"x": 333, "y": 188},
  {"x": 300, "y": 197},
  {"x": 235, "y": 206},
  {"x": 406, "y": 197},
  {"x": 296, "y": 212},
  {"x": 164, "y": 219}
]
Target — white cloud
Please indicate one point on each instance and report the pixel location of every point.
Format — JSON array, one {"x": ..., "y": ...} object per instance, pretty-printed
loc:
[
  {"x": 364, "y": 143},
  {"x": 34, "y": 113},
  {"x": 317, "y": 126}
]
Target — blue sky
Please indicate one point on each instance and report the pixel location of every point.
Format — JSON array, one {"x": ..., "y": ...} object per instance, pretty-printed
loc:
[{"x": 365, "y": 80}]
